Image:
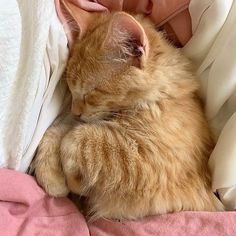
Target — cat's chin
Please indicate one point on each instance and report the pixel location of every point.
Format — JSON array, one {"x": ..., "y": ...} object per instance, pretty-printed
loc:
[
  {"x": 88, "y": 119},
  {"x": 85, "y": 119},
  {"x": 92, "y": 118}
]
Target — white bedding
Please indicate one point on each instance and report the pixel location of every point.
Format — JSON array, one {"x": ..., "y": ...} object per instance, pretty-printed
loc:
[
  {"x": 213, "y": 49},
  {"x": 33, "y": 53}
]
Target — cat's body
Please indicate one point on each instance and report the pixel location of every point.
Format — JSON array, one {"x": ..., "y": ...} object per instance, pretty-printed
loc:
[{"x": 143, "y": 146}]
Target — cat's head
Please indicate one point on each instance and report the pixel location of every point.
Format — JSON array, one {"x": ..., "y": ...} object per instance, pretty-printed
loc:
[{"x": 110, "y": 67}]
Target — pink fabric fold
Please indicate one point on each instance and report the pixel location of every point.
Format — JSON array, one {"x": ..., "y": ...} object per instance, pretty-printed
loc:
[
  {"x": 26, "y": 210},
  {"x": 171, "y": 15}
]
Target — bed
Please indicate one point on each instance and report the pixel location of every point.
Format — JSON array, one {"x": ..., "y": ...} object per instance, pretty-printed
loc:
[{"x": 33, "y": 55}]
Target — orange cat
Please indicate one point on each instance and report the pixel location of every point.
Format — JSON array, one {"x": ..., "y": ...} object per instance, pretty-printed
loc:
[{"x": 143, "y": 144}]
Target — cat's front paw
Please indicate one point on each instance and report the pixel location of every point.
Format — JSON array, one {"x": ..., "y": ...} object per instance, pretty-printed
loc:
[
  {"x": 53, "y": 184},
  {"x": 72, "y": 161},
  {"x": 51, "y": 180},
  {"x": 56, "y": 188}
]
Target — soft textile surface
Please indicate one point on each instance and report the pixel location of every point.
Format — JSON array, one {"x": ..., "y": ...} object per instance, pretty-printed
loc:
[
  {"x": 172, "y": 15},
  {"x": 26, "y": 210},
  {"x": 212, "y": 48},
  {"x": 33, "y": 53},
  {"x": 178, "y": 224}
]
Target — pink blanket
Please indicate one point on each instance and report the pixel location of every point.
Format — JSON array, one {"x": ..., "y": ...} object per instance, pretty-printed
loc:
[{"x": 25, "y": 209}]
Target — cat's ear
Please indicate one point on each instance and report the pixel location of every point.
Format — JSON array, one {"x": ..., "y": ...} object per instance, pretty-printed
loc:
[
  {"x": 82, "y": 18},
  {"x": 128, "y": 36}
]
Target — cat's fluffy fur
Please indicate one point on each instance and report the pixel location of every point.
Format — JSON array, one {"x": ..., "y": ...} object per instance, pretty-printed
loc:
[{"x": 143, "y": 146}]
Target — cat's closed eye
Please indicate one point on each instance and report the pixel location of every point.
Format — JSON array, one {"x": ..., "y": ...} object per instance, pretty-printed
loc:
[{"x": 84, "y": 98}]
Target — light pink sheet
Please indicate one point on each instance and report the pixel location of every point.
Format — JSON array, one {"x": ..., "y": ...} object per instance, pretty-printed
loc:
[
  {"x": 25, "y": 209},
  {"x": 178, "y": 224}
]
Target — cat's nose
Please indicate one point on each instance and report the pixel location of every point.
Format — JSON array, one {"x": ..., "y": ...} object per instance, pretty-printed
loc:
[
  {"x": 77, "y": 117},
  {"x": 76, "y": 110},
  {"x": 76, "y": 114}
]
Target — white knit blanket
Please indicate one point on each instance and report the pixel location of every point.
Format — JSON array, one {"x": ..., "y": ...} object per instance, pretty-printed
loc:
[{"x": 33, "y": 53}]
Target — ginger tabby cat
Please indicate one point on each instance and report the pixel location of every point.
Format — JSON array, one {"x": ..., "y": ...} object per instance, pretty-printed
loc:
[{"x": 137, "y": 143}]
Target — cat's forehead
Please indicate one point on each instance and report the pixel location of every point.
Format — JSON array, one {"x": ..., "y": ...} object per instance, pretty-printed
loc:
[{"x": 95, "y": 37}]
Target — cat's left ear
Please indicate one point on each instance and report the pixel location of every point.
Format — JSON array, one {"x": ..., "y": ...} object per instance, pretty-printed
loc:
[
  {"x": 82, "y": 18},
  {"x": 128, "y": 36}
]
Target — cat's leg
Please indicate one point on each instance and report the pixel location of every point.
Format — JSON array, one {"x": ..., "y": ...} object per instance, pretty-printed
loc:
[
  {"x": 75, "y": 149},
  {"x": 47, "y": 164},
  {"x": 91, "y": 153},
  {"x": 105, "y": 163}
]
